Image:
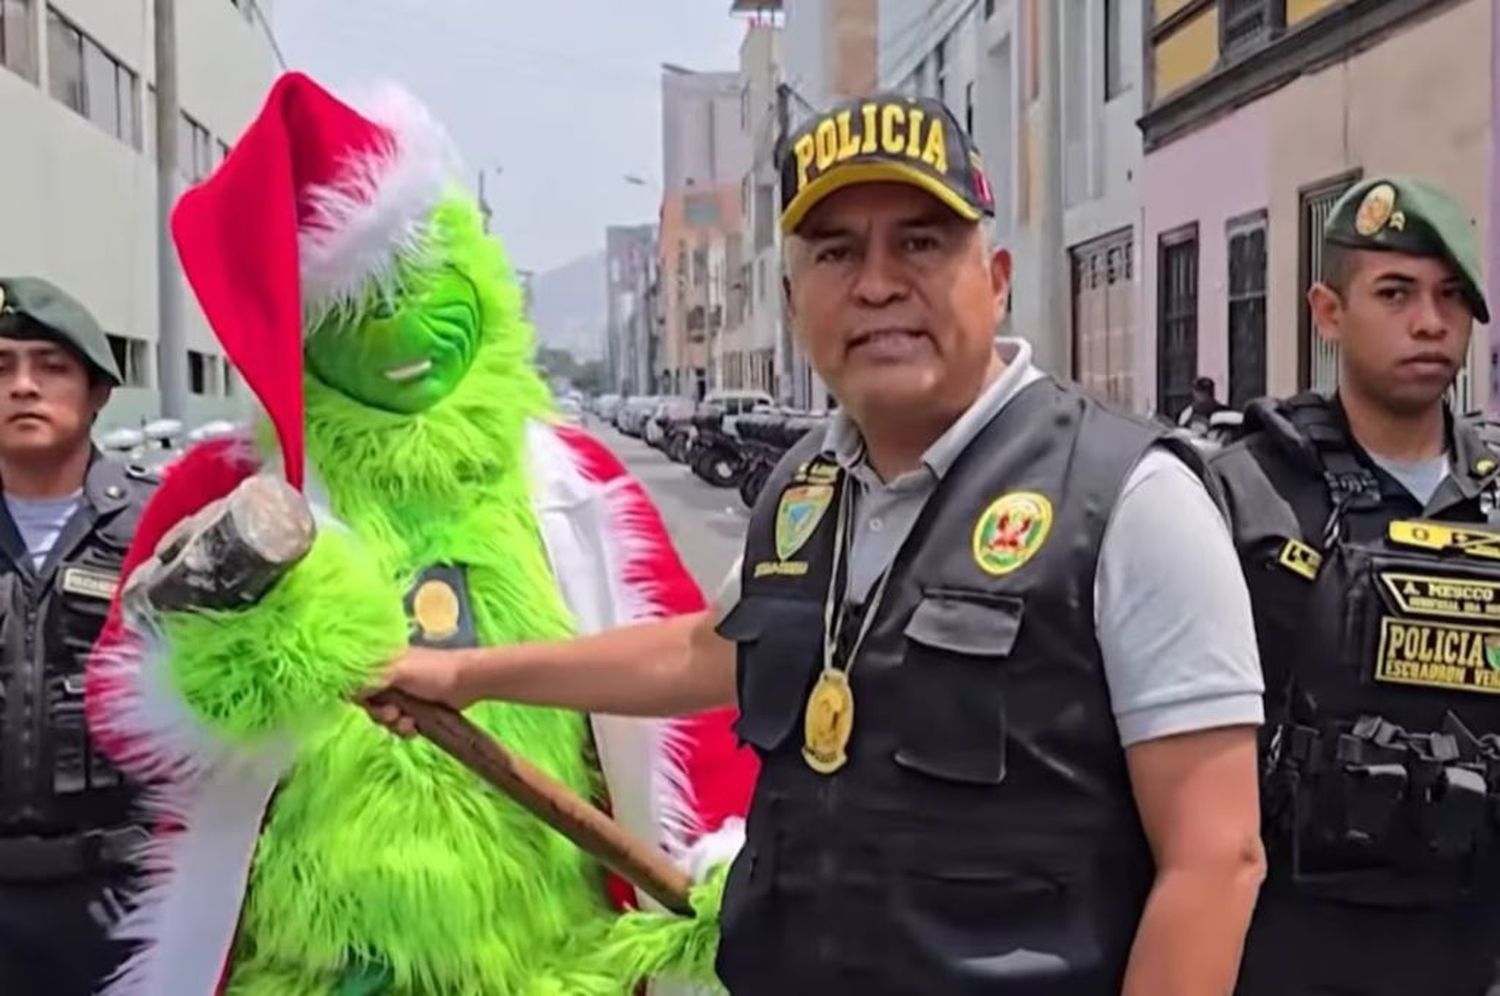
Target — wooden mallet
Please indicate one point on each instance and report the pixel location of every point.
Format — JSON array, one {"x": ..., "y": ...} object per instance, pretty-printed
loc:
[{"x": 235, "y": 550}]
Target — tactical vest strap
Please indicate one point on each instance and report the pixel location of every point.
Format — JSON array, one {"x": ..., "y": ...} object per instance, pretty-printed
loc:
[{"x": 1352, "y": 486}]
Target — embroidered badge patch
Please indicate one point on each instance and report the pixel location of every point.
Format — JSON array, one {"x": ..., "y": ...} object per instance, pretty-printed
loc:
[
  {"x": 802, "y": 508},
  {"x": 1011, "y": 531}
]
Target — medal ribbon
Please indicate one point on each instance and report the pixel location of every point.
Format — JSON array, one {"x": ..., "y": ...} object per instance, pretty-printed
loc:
[{"x": 835, "y": 604}]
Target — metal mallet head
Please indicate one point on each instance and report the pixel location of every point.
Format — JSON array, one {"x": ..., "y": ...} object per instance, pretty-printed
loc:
[{"x": 228, "y": 554}]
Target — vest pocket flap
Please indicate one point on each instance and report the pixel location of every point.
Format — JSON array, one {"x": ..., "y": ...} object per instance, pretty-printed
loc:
[
  {"x": 779, "y": 651},
  {"x": 975, "y": 624},
  {"x": 746, "y": 621}
]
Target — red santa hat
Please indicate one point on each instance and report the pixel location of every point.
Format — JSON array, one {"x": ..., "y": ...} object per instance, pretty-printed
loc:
[{"x": 316, "y": 204}]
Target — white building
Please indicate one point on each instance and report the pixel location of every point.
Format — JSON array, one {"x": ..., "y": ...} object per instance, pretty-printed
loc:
[
  {"x": 78, "y": 177},
  {"x": 980, "y": 57},
  {"x": 829, "y": 52},
  {"x": 756, "y": 308}
]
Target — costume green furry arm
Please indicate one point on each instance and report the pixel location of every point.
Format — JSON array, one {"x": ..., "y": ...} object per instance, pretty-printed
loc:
[{"x": 289, "y": 661}]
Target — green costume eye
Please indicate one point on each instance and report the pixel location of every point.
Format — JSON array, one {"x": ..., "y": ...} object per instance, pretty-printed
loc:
[{"x": 404, "y": 354}]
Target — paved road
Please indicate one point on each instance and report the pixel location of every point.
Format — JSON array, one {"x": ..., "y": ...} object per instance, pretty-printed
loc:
[{"x": 706, "y": 523}]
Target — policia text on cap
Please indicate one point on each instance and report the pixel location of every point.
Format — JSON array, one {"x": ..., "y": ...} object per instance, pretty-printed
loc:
[
  {"x": 1369, "y": 531},
  {"x": 67, "y": 519},
  {"x": 976, "y": 732}
]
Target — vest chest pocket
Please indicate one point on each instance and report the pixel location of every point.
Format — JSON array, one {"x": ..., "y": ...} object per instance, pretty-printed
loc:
[
  {"x": 780, "y": 645},
  {"x": 953, "y": 679}
]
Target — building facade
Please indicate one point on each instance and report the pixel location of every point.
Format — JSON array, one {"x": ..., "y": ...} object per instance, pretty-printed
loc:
[
  {"x": 754, "y": 294},
  {"x": 704, "y": 160},
  {"x": 985, "y": 60},
  {"x": 629, "y": 262},
  {"x": 78, "y": 180},
  {"x": 1259, "y": 115},
  {"x": 830, "y": 51}
]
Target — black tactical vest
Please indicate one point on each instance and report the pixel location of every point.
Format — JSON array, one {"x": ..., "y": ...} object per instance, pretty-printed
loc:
[
  {"x": 1379, "y": 631},
  {"x": 64, "y": 808},
  {"x": 982, "y": 837}
]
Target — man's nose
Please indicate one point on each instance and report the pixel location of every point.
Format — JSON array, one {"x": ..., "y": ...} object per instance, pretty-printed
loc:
[
  {"x": 1427, "y": 319},
  {"x": 880, "y": 280}
]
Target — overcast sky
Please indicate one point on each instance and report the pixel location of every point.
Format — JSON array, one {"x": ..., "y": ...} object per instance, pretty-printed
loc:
[{"x": 564, "y": 95}]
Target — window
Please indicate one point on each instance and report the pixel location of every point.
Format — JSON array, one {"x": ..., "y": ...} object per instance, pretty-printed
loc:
[
  {"x": 1104, "y": 309},
  {"x": 1033, "y": 44},
  {"x": 197, "y": 372},
  {"x": 969, "y": 107},
  {"x": 1244, "y": 23},
  {"x": 128, "y": 87},
  {"x": 1115, "y": 82},
  {"x": 130, "y": 357},
  {"x": 989, "y": 9},
  {"x": 100, "y": 87},
  {"x": 64, "y": 62},
  {"x": 15, "y": 37},
  {"x": 765, "y": 216},
  {"x": 1317, "y": 359},
  {"x": 701, "y": 211},
  {"x": 195, "y": 148},
  {"x": 88, "y": 79},
  {"x": 1247, "y": 310},
  {"x": 700, "y": 267},
  {"x": 1176, "y": 320}
]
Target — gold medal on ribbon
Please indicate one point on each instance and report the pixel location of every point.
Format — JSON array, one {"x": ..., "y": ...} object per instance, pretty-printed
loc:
[{"x": 829, "y": 722}]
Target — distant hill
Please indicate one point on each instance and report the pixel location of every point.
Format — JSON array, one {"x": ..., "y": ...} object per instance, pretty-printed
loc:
[{"x": 568, "y": 307}]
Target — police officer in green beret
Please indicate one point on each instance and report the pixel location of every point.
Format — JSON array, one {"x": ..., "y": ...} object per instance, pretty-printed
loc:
[
  {"x": 1368, "y": 529},
  {"x": 67, "y": 518}
]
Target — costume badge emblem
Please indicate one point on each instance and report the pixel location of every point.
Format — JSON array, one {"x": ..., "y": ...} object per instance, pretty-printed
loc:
[
  {"x": 801, "y": 509},
  {"x": 435, "y": 610},
  {"x": 1375, "y": 210},
  {"x": 1011, "y": 531}
]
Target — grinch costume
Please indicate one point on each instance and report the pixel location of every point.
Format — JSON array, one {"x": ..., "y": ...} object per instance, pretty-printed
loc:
[{"x": 302, "y": 850}]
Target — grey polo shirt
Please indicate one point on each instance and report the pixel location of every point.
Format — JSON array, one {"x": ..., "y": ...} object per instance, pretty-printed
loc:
[{"x": 1171, "y": 610}]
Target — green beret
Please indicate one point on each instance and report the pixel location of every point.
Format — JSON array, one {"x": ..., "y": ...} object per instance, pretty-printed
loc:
[
  {"x": 1406, "y": 215},
  {"x": 59, "y": 318}
]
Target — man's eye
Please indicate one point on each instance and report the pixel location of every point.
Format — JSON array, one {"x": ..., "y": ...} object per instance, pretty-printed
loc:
[
  {"x": 1392, "y": 294},
  {"x": 831, "y": 254},
  {"x": 920, "y": 243}
]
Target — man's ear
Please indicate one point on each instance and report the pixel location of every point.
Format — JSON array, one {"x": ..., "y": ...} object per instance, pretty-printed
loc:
[
  {"x": 1327, "y": 308},
  {"x": 1000, "y": 274},
  {"x": 99, "y": 392}
]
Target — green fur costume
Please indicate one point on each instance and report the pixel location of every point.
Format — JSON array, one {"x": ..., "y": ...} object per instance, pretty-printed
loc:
[{"x": 381, "y": 866}]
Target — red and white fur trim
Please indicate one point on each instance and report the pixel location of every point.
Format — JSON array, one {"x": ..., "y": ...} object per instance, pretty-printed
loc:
[
  {"x": 684, "y": 784},
  {"x": 380, "y": 209}
]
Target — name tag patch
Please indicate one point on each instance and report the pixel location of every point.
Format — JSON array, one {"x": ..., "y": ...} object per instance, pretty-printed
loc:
[
  {"x": 1439, "y": 655},
  {"x": 90, "y": 584},
  {"x": 781, "y": 568},
  {"x": 1446, "y": 633}
]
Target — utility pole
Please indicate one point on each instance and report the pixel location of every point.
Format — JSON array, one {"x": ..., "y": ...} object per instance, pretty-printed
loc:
[
  {"x": 1054, "y": 330},
  {"x": 171, "y": 344}
]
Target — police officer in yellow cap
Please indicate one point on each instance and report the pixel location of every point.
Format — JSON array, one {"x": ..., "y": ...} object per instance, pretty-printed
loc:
[
  {"x": 66, "y": 816},
  {"x": 1368, "y": 528},
  {"x": 988, "y": 637}
]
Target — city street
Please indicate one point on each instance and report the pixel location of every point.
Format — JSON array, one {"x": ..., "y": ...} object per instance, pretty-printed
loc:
[{"x": 707, "y": 523}]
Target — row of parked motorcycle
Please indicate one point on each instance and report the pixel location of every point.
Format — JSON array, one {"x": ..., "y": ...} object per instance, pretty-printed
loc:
[{"x": 729, "y": 439}]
